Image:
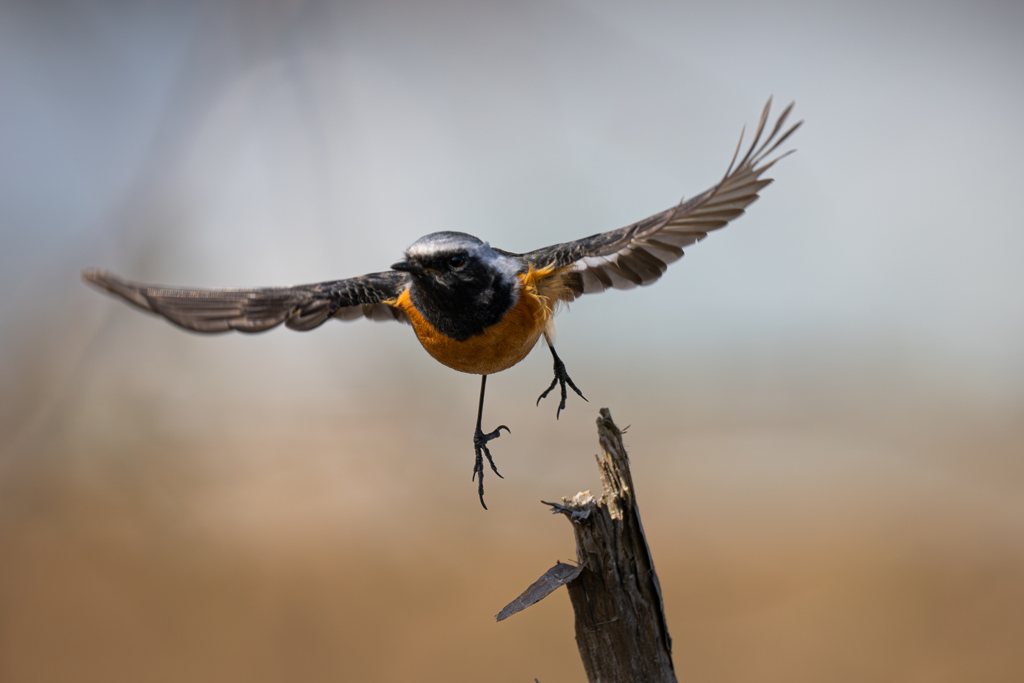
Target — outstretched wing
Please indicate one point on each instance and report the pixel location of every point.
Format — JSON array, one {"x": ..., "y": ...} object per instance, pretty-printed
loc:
[
  {"x": 254, "y": 310},
  {"x": 638, "y": 254}
]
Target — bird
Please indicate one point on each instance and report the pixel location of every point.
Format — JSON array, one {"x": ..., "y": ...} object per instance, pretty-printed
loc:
[{"x": 475, "y": 308}]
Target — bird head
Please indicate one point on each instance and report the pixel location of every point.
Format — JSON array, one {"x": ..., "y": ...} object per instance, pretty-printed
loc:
[
  {"x": 455, "y": 262},
  {"x": 459, "y": 284}
]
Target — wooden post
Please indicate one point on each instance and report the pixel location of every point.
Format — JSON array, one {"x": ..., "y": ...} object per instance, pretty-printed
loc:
[{"x": 620, "y": 619}]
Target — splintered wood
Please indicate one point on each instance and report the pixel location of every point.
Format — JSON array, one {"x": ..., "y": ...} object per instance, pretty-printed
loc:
[{"x": 620, "y": 619}]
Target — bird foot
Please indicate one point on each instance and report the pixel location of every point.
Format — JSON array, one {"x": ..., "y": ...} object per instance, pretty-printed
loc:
[
  {"x": 480, "y": 446},
  {"x": 561, "y": 378}
]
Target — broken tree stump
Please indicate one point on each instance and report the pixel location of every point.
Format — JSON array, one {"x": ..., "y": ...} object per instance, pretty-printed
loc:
[{"x": 620, "y": 618}]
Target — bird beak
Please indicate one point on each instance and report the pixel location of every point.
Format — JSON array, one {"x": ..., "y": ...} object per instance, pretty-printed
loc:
[{"x": 408, "y": 267}]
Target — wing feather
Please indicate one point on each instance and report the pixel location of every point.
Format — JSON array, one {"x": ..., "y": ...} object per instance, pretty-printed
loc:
[
  {"x": 261, "y": 308},
  {"x": 640, "y": 253}
]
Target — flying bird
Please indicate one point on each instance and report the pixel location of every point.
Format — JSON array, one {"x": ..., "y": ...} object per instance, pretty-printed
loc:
[{"x": 475, "y": 308}]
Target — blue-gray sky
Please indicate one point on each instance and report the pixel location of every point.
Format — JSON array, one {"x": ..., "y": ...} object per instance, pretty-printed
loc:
[{"x": 300, "y": 141}]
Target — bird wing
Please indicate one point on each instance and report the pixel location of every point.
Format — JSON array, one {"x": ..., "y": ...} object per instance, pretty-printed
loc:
[
  {"x": 638, "y": 254},
  {"x": 260, "y": 308}
]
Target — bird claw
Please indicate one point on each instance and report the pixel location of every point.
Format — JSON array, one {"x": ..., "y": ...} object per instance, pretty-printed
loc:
[
  {"x": 480, "y": 446},
  {"x": 561, "y": 378}
]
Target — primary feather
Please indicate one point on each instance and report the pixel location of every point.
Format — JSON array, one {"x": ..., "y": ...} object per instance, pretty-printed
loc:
[
  {"x": 261, "y": 308},
  {"x": 638, "y": 254}
]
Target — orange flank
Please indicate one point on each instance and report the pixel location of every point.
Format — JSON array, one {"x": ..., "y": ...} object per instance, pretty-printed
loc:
[{"x": 501, "y": 345}]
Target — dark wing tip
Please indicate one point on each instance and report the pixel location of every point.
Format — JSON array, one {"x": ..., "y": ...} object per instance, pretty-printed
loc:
[
  {"x": 106, "y": 280},
  {"x": 97, "y": 276}
]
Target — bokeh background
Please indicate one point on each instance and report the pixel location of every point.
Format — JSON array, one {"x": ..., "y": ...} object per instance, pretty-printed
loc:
[{"x": 826, "y": 399}]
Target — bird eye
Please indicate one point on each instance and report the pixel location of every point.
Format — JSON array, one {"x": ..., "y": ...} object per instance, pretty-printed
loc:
[{"x": 457, "y": 261}]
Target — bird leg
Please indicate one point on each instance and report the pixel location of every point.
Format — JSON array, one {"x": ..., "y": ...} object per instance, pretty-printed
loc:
[
  {"x": 480, "y": 444},
  {"x": 561, "y": 377}
]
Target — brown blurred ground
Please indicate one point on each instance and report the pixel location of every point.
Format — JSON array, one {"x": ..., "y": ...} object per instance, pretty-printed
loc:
[{"x": 160, "y": 523}]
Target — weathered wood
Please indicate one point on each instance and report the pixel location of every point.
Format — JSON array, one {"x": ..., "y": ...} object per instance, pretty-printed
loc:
[
  {"x": 548, "y": 583},
  {"x": 620, "y": 619}
]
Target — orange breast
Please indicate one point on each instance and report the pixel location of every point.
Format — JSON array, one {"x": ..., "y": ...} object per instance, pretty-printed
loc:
[{"x": 497, "y": 348}]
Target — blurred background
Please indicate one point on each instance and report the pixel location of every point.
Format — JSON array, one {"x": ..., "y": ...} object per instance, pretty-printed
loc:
[{"x": 826, "y": 399}]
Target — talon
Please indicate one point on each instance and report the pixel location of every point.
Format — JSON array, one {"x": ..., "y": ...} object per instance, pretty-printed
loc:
[
  {"x": 480, "y": 439},
  {"x": 561, "y": 379},
  {"x": 480, "y": 446},
  {"x": 548, "y": 390}
]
